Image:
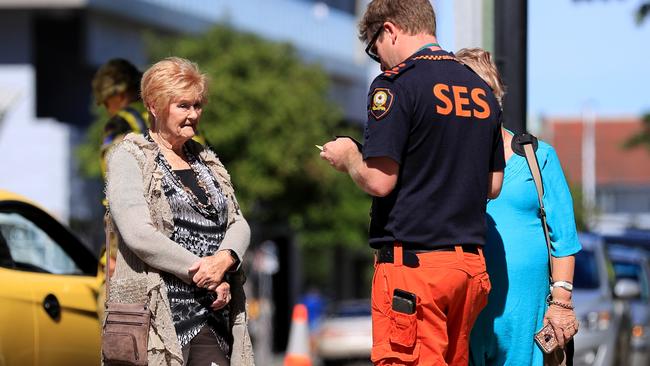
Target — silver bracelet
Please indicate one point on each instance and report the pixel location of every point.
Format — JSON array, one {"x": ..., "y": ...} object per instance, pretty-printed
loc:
[{"x": 563, "y": 284}]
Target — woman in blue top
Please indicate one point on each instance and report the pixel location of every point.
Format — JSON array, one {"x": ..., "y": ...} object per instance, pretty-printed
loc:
[{"x": 516, "y": 253}]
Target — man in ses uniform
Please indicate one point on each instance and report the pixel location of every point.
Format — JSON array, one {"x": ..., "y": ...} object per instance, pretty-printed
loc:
[{"x": 431, "y": 158}]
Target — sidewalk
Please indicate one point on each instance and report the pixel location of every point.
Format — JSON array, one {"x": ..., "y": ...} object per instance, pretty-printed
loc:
[{"x": 278, "y": 360}]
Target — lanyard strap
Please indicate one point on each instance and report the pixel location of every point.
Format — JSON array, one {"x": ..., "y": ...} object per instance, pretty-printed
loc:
[{"x": 427, "y": 46}]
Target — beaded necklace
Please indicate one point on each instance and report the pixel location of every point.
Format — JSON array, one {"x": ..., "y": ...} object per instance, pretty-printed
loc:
[{"x": 209, "y": 209}]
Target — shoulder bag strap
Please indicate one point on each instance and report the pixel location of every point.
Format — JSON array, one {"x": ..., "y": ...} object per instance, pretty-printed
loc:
[
  {"x": 533, "y": 164},
  {"x": 107, "y": 232}
]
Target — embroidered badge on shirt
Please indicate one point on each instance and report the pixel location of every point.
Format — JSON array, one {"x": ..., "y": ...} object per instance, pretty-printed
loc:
[{"x": 382, "y": 100}]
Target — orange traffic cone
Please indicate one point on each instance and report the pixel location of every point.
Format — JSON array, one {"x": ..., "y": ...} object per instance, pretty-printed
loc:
[{"x": 298, "y": 350}]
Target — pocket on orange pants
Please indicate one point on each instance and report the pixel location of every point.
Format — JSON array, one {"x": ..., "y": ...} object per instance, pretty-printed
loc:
[
  {"x": 485, "y": 286},
  {"x": 402, "y": 347},
  {"x": 403, "y": 329},
  {"x": 391, "y": 354}
]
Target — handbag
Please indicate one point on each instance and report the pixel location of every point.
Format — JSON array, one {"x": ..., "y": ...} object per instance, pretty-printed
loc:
[
  {"x": 525, "y": 145},
  {"x": 125, "y": 332}
]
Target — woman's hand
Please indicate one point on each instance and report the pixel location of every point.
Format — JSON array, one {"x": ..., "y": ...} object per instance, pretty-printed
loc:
[
  {"x": 563, "y": 321},
  {"x": 223, "y": 296},
  {"x": 560, "y": 310},
  {"x": 208, "y": 271}
]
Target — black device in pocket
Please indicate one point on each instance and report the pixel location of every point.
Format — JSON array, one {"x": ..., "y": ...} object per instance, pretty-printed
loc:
[{"x": 404, "y": 301}]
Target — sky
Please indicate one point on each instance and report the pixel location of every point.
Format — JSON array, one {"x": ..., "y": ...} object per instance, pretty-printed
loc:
[
  {"x": 587, "y": 53},
  {"x": 580, "y": 54}
]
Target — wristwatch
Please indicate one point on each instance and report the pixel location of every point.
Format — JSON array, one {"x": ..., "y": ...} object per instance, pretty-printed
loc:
[
  {"x": 563, "y": 284},
  {"x": 234, "y": 256}
]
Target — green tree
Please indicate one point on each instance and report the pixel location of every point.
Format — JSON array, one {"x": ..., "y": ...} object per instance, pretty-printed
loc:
[
  {"x": 580, "y": 212},
  {"x": 88, "y": 153},
  {"x": 266, "y": 109},
  {"x": 643, "y": 12},
  {"x": 642, "y": 138}
]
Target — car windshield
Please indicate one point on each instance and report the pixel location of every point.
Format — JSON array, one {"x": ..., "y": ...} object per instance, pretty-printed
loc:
[
  {"x": 627, "y": 270},
  {"x": 33, "y": 249},
  {"x": 586, "y": 270},
  {"x": 631, "y": 271}
]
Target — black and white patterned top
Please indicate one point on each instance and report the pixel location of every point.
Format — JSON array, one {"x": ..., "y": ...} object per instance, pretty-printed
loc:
[{"x": 200, "y": 216}]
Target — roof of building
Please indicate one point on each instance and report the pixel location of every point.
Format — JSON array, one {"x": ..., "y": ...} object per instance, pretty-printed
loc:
[{"x": 615, "y": 164}]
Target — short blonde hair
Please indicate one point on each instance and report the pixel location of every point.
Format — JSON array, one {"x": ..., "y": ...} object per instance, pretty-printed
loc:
[
  {"x": 170, "y": 79},
  {"x": 481, "y": 62}
]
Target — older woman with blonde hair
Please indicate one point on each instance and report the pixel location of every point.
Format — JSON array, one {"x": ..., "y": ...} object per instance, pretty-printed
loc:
[
  {"x": 181, "y": 232},
  {"x": 516, "y": 252}
]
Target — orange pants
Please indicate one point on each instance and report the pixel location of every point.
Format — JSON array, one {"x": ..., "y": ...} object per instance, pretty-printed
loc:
[{"x": 451, "y": 287}]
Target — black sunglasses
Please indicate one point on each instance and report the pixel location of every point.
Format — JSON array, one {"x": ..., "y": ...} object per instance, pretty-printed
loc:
[{"x": 369, "y": 48}]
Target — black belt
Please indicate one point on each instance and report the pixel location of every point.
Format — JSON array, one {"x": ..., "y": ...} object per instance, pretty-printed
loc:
[{"x": 410, "y": 258}]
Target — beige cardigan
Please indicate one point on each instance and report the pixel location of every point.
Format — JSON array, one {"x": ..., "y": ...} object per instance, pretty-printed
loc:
[{"x": 143, "y": 221}]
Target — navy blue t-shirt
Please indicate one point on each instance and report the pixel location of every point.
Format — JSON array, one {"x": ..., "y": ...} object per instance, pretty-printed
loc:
[{"x": 441, "y": 123}]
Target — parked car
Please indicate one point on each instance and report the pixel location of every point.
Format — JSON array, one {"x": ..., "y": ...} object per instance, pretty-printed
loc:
[
  {"x": 49, "y": 283},
  {"x": 630, "y": 238},
  {"x": 346, "y": 334},
  {"x": 633, "y": 264},
  {"x": 605, "y": 323}
]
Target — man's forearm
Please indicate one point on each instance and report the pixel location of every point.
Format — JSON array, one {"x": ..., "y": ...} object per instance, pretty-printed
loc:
[
  {"x": 373, "y": 176},
  {"x": 376, "y": 176},
  {"x": 358, "y": 171}
]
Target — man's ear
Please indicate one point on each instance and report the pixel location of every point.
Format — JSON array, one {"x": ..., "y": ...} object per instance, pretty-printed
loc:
[{"x": 391, "y": 30}]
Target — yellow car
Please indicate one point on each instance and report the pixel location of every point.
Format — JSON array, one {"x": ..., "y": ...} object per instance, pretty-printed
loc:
[{"x": 49, "y": 283}]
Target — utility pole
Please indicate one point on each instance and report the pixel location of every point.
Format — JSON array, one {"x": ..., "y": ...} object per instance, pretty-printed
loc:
[
  {"x": 589, "y": 163},
  {"x": 510, "y": 48}
]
